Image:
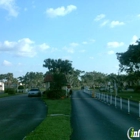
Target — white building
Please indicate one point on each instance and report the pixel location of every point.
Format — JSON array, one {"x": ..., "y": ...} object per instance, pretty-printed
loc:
[{"x": 1, "y": 86}]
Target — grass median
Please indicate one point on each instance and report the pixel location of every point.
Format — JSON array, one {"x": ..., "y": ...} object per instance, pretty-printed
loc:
[
  {"x": 56, "y": 126},
  {"x": 134, "y": 96}
]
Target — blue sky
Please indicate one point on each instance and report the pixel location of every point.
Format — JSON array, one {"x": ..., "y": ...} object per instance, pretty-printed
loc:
[{"x": 88, "y": 33}]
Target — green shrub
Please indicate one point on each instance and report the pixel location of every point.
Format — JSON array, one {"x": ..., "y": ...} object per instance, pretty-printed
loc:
[
  {"x": 20, "y": 87},
  {"x": 55, "y": 94},
  {"x": 10, "y": 90},
  {"x": 119, "y": 89},
  {"x": 137, "y": 88}
]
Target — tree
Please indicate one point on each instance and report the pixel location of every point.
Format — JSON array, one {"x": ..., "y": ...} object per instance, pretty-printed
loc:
[
  {"x": 2, "y": 77},
  {"x": 130, "y": 60},
  {"x": 58, "y": 66},
  {"x": 74, "y": 78},
  {"x": 9, "y": 77},
  {"x": 21, "y": 79},
  {"x": 59, "y": 69},
  {"x": 32, "y": 79},
  {"x": 93, "y": 78},
  {"x": 59, "y": 80}
]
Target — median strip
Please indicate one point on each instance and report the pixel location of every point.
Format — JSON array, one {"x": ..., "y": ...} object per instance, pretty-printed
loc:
[{"x": 57, "y": 123}]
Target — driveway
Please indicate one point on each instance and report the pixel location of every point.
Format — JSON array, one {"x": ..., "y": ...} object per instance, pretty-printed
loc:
[
  {"x": 19, "y": 115},
  {"x": 95, "y": 120}
]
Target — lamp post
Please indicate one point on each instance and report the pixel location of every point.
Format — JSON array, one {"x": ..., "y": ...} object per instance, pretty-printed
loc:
[{"x": 109, "y": 85}]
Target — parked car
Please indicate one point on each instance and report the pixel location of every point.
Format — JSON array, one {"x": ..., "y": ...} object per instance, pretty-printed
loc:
[{"x": 34, "y": 92}]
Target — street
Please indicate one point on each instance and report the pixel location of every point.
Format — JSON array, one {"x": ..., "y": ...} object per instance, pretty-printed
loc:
[
  {"x": 96, "y": 120},
  {"x": 19, "y": 115}
]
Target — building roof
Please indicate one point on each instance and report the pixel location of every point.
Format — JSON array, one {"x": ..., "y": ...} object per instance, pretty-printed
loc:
[{"x": 48, "y": 78}]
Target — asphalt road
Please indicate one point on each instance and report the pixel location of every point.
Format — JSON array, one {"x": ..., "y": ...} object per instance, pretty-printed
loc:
[
  {"x": 19, "y": 115},
  {"x": 96, "y": 120}
]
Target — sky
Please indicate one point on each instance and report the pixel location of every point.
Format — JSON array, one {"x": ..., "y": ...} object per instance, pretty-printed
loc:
[{"x": 88, "y": 33}]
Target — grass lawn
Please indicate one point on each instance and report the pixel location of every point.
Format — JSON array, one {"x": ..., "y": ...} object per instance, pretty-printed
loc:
[
  {"x": 56, "y": 126},
  {"x": 130, "y": 95},
  {"x": 4, "y": 95}
]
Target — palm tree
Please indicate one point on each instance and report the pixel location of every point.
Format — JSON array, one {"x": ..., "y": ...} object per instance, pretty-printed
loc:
[
  {"x": 9, "y": 78},
  {"x": 2, "y": 77}
]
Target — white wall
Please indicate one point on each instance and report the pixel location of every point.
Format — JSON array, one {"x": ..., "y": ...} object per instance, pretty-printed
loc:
[{"x": 1, "y": 86}]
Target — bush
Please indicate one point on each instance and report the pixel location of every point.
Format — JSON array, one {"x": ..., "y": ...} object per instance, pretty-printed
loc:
[
  {"x": 137, "y": 88},
  {"x": 55, "y": 94},
  {"x": 10, "y": 90},
  {"x": 119, "y": 89},
  {"x": 20, "y": 87}
]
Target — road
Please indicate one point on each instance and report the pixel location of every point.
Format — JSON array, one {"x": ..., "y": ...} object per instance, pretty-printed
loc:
[
  {"x": 96, "y": 120},
  {"x": 19, "y": 115}
]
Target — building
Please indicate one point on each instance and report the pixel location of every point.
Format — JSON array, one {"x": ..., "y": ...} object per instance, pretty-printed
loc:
[
  {"x": 48, "y": 78},
  {"x": 1, "y": 86}
]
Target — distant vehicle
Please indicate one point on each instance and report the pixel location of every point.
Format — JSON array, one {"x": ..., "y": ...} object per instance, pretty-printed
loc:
[{"x": 34, "y": 92}]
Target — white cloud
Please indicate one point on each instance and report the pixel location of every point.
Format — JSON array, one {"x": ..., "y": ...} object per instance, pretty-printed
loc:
[
  {"x": 7, "y": 63},
  {"x": 82, "y": 51},
  {"x": 138, "y": 15},
  {"x": 114, "y": 44},
  {"x": 134, "y": 39},
  {"x": 89, "y": 41},
  {"x": 104, "y": 23},
  {"x": 33, "y": 4},
  {"x": 73, "y": 44},
  {"x": 69, "y": 49},
  {"x": 110, "y": 52},
  {"x": 99, "y": 17},
  {"x": 54, "y": 50},
  {"x": 116, "y": 23},
  {"x": 60, "y": 11},
  {"x": 44, "y": 46},
  {"x": 84, "y": 42},
  {"x": 23, "y": 47},
  {"x": 19, "y": 64},
  {"x": 91, "y": 57},
  {"x": 10, "y": 6}
]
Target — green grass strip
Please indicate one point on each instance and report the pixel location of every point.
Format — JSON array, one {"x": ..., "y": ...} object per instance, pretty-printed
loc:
[{"x": 56, "y": 126}]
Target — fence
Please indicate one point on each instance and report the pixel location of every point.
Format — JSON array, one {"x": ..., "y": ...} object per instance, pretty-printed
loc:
[{"x": 129, "y": 106}]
